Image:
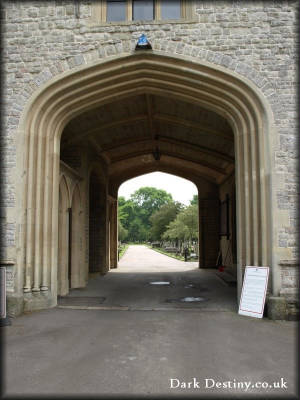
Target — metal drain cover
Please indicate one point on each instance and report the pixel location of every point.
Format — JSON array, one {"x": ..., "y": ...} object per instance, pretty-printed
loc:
[
  {"x": 80, "y": 301},
  {"x": 160, "y": 283}
]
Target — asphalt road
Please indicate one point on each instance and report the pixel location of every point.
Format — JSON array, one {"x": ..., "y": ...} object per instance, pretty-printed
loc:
[{"x": 135, "y": 340}]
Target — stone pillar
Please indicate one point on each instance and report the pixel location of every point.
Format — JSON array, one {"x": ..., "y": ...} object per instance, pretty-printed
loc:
[{"x": 277, "y": 308}]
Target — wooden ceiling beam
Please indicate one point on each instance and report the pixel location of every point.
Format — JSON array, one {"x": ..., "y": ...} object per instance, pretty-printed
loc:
[
  {"x": 93, "y": 132},
  {"x": 185, "y": 173},
  {"x": 165, "y": 139},
  {"x": 201, "y": 129},
  {"x": 202, "y": 163},
  {"x": 201, "y": 149},
  {"x": 170, "y": 154},
  {"x": 99, "y": 150},
  {"x": 150, "y": 115},
  {"x": 124, "y": 142}
]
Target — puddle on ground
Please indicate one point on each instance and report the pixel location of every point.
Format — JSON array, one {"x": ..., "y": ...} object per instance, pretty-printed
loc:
[
  {"x": 160, "y": 283},
  {"x": 186, "y": 300},
  {"x": 191, "y": 299}
]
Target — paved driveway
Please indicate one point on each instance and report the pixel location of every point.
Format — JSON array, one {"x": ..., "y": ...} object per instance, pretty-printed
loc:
[
  {"x": 142, "y": 257},
  {"x": 136, "y": 340},
  {"x": 132, "y": 284}
]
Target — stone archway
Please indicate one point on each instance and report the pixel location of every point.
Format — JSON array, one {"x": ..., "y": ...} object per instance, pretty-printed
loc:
[{"x": 226, "y": 93}]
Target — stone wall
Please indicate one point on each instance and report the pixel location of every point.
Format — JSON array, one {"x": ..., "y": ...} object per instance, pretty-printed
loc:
[
  {"x": 257, "y": 39},
  {"x": 290, "y": 280}
]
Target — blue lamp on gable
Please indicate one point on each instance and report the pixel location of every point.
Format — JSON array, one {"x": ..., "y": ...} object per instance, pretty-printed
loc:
[{"x": 143, "y": 43}]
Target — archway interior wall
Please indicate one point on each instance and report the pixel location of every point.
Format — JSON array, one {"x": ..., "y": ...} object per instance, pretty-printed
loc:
[
  {"x": 78, "y": 167},
  {"x": 225, "y": 93},
  {"x": 98, "y": 225},
  {"x": 71, "y": 240},
  {"x": 77, "y": 245},
  {"x": 63, "y": 238},
  {"x": 113, "y": 232},
  {"x": 228, "y": 242}
]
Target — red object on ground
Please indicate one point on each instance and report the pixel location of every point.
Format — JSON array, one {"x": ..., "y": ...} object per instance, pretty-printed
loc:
[{"x": 221, "y": 268}]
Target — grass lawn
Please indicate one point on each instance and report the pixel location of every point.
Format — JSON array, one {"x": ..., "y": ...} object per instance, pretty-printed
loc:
[
  {"x": 159, "y": 250},
  {"x": 123, "y": 247}
]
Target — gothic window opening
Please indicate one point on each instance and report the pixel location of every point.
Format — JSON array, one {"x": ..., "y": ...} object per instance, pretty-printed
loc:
[{"x": 141, "y": 10}]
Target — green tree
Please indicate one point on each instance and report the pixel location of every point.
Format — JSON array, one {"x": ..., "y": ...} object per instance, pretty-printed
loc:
[
  {"x": 162, "y": 217},
  {"x": 185, "y": 226},
  {"x": 149, "y": 200},
  {"x": 126, "y": 212},
  {"x": 137, "y": 231},
  {"x": 135, "y": 213},
  {"x": 194, "y": 200},
  {"x": 176, "y": 230},
  {"x": 122, "y": 214},
  {"x": 122, "y": 232},
  {"x": 190, "y": 219}
]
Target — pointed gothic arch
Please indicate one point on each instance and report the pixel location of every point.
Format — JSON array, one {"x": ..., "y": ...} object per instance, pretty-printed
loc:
[
  {"x": 225, "y": 92},
  {"x": 63, "y": 238},
  {"x": 76, "y": 246}
]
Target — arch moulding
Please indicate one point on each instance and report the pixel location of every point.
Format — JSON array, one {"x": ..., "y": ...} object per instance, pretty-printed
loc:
[{"x": 192, "y": 79}]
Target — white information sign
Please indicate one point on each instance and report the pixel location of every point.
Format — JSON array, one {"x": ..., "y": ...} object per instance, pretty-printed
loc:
[{"x": 254, "y": 291}]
